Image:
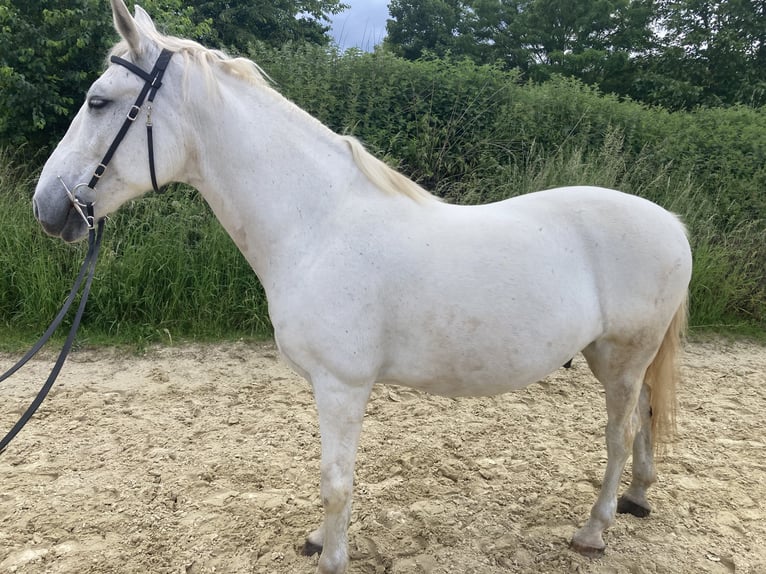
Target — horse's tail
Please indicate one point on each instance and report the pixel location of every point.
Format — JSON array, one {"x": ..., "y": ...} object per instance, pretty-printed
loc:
[{"x": 662, "y": 377}]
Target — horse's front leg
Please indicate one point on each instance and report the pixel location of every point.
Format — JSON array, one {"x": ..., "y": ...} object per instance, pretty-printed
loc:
[{"x": 341, "y": 409}]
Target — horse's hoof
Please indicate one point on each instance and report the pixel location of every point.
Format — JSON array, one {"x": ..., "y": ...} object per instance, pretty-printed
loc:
[
  {"x": 587, "y": 551},
  {"x": 627, "y": 506},
  {"x": 309, "y": 548}
]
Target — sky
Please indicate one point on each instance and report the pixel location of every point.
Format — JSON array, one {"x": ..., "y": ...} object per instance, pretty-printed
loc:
[{"x": 361, "y": 26}]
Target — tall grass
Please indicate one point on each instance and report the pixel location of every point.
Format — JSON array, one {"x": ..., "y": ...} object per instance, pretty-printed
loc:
[
  {"x": 34, "y": 281},
  {"x": 167, "y": 271}
]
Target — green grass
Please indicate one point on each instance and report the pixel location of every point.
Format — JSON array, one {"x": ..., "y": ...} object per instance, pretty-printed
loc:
[{"x": 167, "y": 272}]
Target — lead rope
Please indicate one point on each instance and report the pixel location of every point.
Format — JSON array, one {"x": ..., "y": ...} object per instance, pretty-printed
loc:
[{"x": 88, "y": 268}]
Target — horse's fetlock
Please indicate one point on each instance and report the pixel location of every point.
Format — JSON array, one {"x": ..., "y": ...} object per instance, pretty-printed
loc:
[{"x": 329, "y": 564}]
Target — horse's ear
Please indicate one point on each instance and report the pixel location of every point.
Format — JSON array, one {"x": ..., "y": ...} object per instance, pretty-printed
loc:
[
  {"x": 126, "y": 25},
  {"x": 143, "y": 19}
]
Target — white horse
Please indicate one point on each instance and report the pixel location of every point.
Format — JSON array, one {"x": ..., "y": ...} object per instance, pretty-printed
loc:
[{"x": 371, "y": 279}]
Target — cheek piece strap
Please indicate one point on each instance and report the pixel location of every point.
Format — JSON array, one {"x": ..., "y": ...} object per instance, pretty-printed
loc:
[{"x": 152, "y": 83}]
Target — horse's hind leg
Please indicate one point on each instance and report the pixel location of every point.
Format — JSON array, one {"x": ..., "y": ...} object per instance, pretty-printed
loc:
[
  {"x": 621, "y": 372},
  {"x": 341, "y": 408},
  {"x": 633, "y": 501}
]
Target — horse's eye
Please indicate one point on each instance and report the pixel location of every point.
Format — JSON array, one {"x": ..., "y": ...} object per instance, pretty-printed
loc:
[{"x": 96, "y": 103}]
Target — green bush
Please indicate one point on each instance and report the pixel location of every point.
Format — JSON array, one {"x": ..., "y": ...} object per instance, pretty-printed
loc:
[{"x": 446, "y": 122}]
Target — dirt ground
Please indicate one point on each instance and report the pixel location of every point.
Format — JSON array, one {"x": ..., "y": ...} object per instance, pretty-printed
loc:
[{"x": 201, "y": 459}]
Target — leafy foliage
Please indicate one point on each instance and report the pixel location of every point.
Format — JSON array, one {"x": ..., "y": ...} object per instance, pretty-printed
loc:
[
  {"x": 713, "y": 52},
  {"x": 52, "y": 50},
  {"x": 462, "y": 119},
  {"x": 238, "y": 23},
  {"x": 451, "y": 123},
  {"x": 678, "y": 54},
  {"x": 430, "y": 26}
]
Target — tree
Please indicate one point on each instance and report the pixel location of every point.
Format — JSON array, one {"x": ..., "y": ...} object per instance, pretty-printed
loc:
[
  {"x": 50, "y": 52},
  {"x": 418, "y": 27},
  {"x": 675, "y": 53},
  {"x": 711, "y": 53},
  {"x": 238, "y": 23},
  {"x": 589, "y": 39},
  {"x": 596, "y": 41}
]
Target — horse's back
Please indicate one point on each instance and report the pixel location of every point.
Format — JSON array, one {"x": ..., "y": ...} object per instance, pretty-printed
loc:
[
  {"x": 630, "y": 247},
  {"x": 639, "y": 252}
]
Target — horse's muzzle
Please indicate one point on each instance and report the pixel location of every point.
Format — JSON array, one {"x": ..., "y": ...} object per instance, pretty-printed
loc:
[{"x": 66, "y": 223}]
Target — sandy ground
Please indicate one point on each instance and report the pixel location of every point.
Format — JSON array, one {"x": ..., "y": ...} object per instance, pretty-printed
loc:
[{"x": 200, "y": 459}]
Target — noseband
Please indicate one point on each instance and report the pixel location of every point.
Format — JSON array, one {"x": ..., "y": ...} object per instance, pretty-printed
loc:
[{"x": 152, "y": 83}]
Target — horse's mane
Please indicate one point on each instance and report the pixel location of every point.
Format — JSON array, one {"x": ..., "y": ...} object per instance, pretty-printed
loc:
[
  {"x": 384, "y": 176},
  {"x": 205, "y": 58},
  {"x": 208, "y": 60}
]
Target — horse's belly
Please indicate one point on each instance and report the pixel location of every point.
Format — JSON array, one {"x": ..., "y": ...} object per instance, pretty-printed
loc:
[
  {"x": 470, "y": 379},
  {"x": 484, "y": 361}
]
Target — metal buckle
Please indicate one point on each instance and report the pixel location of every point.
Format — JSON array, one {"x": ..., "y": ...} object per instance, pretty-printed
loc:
[{"x": 133, "y": 113}]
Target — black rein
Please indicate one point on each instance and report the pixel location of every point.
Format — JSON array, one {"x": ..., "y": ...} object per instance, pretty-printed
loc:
[{"x": 88, "y": 267}]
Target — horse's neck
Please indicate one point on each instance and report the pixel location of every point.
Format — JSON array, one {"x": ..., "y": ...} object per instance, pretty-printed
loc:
[{"x": 272, "y": 174}]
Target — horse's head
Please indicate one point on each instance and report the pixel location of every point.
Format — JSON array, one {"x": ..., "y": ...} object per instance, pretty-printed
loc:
[{"x": 68, "y": 181}]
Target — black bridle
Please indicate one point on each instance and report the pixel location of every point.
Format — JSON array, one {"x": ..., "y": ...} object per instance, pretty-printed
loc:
[{"x": 152, "y": 83}]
